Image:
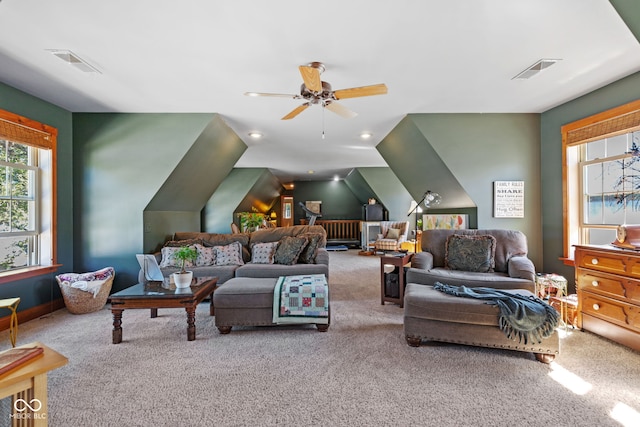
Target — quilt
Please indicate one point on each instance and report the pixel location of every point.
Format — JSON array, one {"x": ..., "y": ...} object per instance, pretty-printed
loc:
[{"x": 301, "y": 299}]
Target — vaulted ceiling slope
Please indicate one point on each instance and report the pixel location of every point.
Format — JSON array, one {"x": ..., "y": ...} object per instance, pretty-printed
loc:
[{"x": 435, "y": 56}]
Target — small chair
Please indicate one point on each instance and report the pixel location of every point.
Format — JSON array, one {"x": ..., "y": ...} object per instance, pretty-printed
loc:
[
  {"x": 392, "y": 234},
  {"x": 12, "y": 304}
]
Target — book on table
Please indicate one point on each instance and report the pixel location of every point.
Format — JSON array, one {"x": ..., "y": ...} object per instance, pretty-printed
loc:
[{"x": 16, "y": 357}]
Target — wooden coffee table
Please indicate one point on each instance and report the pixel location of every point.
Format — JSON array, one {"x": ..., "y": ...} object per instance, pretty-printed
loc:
[{"x": 155, "y": 295}]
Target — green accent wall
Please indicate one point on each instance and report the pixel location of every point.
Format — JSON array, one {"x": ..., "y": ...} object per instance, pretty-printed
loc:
[
  {"x": 43, "y": 289},
  {"x": 123, "y": 163},
  {"x": 389, "y": 192},
  {"x": 459, "y": 156},
  {"x": 338, "y": 202}
]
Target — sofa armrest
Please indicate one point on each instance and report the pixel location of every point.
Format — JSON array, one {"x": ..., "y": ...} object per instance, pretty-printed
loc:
[
  {"x": 322, "y": 256},
  {"x": 522, "y": 267},
  {"x": 422, "y": 260}
]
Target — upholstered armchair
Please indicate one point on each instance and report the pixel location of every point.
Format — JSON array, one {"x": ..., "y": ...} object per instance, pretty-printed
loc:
[{"x": 392, "y": 234}]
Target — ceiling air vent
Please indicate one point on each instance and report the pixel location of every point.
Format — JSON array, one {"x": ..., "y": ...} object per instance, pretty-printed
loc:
[
  {"x": 536, "y": 68},
  {"x": 73, "y": 59}
]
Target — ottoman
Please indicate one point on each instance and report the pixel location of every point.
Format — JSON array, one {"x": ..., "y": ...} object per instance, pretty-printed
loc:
[
  {"x": 246, "y": 301},
  {"x": 433, "y": 315}
]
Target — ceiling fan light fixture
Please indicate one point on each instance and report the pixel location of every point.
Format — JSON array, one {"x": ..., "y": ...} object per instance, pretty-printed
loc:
[
  {"x": 535, "y": 68},
  {"x": 366, "y": 135},
  {"x": 74, "y": 60},
  {"x": 255, "y": 135}
]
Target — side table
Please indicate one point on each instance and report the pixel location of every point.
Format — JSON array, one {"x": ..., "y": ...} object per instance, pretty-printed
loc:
[{"x": 399, "y": 261}]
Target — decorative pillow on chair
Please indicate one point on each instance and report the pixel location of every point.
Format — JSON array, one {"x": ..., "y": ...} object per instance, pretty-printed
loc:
[
  {"x": 169, "y": 260},
  {"x": 230, "y": 254},
  {"x": 470, "y": 253},
  {"x": 308, "y": 254},
  {"x": 263, "y": 253},
  {"x": 289, "y": 249},
  {"x": 206, "y": 256},
  {"x": 393, "y": 233}
]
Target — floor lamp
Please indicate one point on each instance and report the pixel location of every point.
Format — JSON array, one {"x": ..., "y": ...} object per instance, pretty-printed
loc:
[{"x": 430, "y": 199}]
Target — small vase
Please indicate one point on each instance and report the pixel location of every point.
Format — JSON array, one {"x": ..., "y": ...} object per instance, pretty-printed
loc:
[{"x": 183, "y": 280}]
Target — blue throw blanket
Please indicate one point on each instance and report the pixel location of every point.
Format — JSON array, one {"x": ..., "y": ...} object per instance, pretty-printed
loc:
[{"x": 526, "y": 319}]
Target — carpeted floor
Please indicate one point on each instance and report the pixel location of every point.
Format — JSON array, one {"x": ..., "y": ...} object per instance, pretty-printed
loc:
[{"x": 359, "y": 373}]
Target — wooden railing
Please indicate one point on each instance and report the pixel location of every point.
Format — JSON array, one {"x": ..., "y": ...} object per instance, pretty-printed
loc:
[{"x": 340, "y": 230}]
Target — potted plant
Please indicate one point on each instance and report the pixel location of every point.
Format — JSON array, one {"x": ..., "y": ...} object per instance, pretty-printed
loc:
[
  {"x": 183, "y": 278},
  {"x": 250, "y": 221}
]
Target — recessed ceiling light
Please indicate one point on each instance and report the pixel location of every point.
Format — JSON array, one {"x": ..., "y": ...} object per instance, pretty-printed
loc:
[
  {"x": 366, "y": 135},
  {"x": 336, "y": 178},
  {"x": 536, "y": 68},
  {"x": 255, "y": 135},
  {"x": 310, "y": 172},
  {"x": 73, "y": 59}
]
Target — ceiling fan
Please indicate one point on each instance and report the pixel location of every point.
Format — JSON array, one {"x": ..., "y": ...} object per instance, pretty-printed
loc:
[{"x": 315, "y": 91}]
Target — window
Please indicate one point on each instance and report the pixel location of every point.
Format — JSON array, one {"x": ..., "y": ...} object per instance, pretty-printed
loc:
[
  {"x": 27, "y": 196},
  {"x": 601, "y": 176}
]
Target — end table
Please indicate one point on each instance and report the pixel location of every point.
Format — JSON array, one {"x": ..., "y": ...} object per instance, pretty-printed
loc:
[{"x": 399, "y": 260}]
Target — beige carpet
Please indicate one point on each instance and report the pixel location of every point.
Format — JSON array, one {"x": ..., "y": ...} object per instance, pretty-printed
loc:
[{"x": 360, "y": 373}]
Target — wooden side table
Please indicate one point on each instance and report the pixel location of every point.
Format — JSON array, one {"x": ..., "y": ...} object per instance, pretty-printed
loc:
[
  {"x": 27, "y": 385},
  {"x": 397, "y": 261}
]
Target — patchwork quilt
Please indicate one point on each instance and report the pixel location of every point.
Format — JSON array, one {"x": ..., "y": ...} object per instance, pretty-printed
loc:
[{"x": 301, "y": 299}]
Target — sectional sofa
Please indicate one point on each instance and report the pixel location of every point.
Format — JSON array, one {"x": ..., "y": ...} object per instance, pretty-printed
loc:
[{"x": 268, "y": 253}]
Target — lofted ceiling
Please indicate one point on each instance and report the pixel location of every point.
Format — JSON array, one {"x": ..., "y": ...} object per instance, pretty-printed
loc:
[{"x": 201, "y": 56}]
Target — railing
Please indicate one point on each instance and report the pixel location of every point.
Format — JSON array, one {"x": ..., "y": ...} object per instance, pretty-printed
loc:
[{"x": 347, "y": 230}]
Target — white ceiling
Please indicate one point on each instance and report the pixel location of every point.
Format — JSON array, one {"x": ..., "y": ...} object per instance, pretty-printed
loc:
[{"x": 435, "y": 56}]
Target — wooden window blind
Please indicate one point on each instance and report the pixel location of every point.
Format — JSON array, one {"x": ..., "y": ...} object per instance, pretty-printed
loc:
[
  {"x": 619, "y": 120},
  {"x": 26, "y": 131}
]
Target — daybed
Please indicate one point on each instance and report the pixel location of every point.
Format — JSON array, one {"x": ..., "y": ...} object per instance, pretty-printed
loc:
[{"x": 266, "y": 253}]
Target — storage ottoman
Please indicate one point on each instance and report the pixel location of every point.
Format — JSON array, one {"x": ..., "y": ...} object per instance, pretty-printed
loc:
[
  {"x": 246, "y": 301},
  {"x": 433, "y": 315}
]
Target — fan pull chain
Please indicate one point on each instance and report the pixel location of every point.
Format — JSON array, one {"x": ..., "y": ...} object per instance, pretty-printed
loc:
[{"x": 323, "y": 107}]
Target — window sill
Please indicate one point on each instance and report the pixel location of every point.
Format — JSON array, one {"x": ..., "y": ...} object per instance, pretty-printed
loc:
[
  {"x": 568, "y": 261},
  {"x": 25, "y": 273}
]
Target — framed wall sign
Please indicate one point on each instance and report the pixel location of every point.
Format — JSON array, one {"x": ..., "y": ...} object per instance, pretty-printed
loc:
[{"x": 508, "y": 199}]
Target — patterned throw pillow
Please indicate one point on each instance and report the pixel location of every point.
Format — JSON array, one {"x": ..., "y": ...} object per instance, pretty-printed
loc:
[
  {"x": 470, "y": 253},
  {"x": 308, "y": 254},
  {"x": 206, "y": 256},
  {"x": 230, "y": 254},
  {"x": 263, "y": 253},
  {"x": 169, "y": 259},
  {"x": 289, "y": 250}
]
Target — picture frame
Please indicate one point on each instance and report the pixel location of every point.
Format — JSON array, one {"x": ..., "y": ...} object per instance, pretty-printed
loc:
[
  {"x": 508, "y": 199},
  {"x": 445, "y": 221}
]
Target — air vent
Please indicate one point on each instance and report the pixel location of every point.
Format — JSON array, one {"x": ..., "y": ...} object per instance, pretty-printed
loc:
[
  {"x": 536, "y": 68},
  {"x": 73, "y": 59}
]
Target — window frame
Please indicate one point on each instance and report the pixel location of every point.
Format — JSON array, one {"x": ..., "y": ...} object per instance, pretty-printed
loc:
[
  {"x": 616, "y": 121},
  {"x": 23, "y": 130}
]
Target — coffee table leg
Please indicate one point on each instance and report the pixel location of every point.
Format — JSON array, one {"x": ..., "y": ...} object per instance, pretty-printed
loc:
[
  {"x": 191, "y": 323},
  {"x": 154, "y": 313},
  {"x": 211, "y": 308},
  {"x": 117, "y": 325}
]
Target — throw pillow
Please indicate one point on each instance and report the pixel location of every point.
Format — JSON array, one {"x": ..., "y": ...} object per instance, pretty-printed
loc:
[
  {"x": 308, "y": 254},
  {"x": 169, "y": 259},
  {"x": 470, "y": 253},
  {"x": 263, "y": 253},
  {"x": 230, "y": 254},
  {"x": 206, "y": 256},
  {"x": 289, "y": 249},
  {"x": 393, "y": 233}
]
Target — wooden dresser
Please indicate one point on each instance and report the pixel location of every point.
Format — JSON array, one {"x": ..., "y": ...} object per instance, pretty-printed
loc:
[{"x": 608, "y": 287}]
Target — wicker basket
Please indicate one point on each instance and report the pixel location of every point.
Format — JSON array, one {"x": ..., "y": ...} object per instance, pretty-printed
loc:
[{"x": 78, "y": 301}]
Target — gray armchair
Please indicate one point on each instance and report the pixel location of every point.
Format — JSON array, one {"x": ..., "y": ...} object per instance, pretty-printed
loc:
[{"x": 512, "y": 270}]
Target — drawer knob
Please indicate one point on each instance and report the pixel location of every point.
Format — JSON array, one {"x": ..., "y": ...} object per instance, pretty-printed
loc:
[
  {"x": 595, "y": 283},
  {"x": 596, "y": 306},
  {"x": 594, "y": 261}
]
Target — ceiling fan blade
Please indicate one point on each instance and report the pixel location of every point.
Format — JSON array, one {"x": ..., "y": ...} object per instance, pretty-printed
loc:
[
  {"x": 279, "y": 95},
  {"x": 311, "y": 77},
  {"x": 355, "y": 92},
  {"x": 299, "y": 109},
  {"x": 340, "y": 110}
]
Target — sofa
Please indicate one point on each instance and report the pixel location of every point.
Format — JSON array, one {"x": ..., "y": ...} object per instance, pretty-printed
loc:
[
  {"x": 259, "y": 254},
  {"x": 446, "y": 259}
]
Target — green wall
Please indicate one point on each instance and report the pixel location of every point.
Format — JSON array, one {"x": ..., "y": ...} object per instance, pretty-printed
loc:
[
  {"x": 122, "y": 161},
  {"x": 338, "y": 202},
  {"x": 42, "y": 289},
  {"x": 613, "y": 95},
  {"x": 389, "y": 192},
  {"x": 461, "y": 155}
]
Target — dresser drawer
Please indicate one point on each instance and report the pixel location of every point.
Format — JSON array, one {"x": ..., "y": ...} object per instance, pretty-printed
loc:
[
  {"x": 609, "y": 285},
  {"x": 602, "y": 261},
  {"x": 613, "y": 311}
]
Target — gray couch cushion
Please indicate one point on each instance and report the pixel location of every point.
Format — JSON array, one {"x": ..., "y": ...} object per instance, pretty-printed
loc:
[
  {"x": 245, "y": 293},
  {"x": 468, "y": 278},
  {"x": 277, "y": 270}
]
